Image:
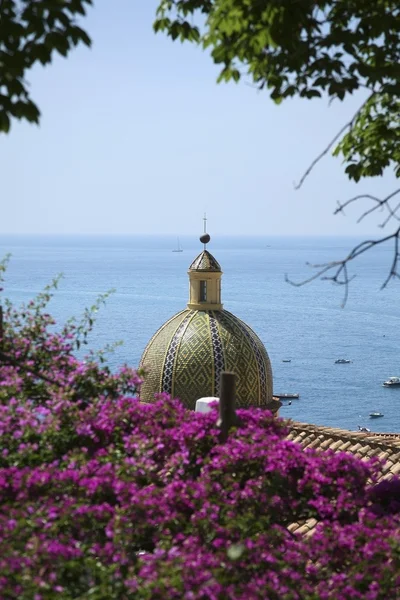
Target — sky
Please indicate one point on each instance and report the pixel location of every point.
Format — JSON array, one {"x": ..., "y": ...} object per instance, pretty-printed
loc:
[{"x": 136, "y": 137}]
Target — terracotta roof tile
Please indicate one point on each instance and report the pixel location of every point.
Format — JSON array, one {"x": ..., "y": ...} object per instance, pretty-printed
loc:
[
  {"x": 395, "y": 469},
  {"x": 303, "y": 529},
  {"x": 326, "y": 443},
  {"x": 315, "y": 443},
  {"x": 337, "y": 445},
  {"x": 365, "y": 445},
  {"x": 298, "y": 439},
  {"x": 386, "y": 468},
  {"x": 385, "y": 446},
  {"x": 383, "y": 455}
]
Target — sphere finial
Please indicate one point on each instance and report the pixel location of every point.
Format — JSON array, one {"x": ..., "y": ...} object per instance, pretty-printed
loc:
[{"x": 205, "y": 238}]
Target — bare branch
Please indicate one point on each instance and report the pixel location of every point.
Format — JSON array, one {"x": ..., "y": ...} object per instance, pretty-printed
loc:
[
  {"x": 379, "y": 203},
  {"x": 348, "y": 125},
  {"x": 313, "y": 277},
  {"x": 339, "y": 268},
  {"x": 386, "y": 221},
  {"x": 393, "y": 270}
]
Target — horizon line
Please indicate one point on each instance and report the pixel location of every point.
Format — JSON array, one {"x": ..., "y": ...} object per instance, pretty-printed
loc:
[{"x": 186, "y": 235}]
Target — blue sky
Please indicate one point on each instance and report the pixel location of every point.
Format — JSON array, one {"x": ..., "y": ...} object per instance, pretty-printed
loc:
[{"x": 136, "y": 136}]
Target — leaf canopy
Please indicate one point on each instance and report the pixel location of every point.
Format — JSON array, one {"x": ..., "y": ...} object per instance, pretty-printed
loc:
[
  {"x": 308, "y": 48},
  {"x": 31, "y": 31}
]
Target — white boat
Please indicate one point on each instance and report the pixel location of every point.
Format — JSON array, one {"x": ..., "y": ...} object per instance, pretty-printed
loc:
[
  {"x": 376, "y": 415},
  {"x": 178, "y": 249},
  {"x": 342, "y": 361},
  {"x": 392, "y": 382}
]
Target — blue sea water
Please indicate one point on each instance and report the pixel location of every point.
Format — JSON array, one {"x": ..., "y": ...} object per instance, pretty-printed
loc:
[{"x": 305, "y": 324}]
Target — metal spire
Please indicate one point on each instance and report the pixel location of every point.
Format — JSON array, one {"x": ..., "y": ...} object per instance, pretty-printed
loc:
[{"x": 205, "y": 238}]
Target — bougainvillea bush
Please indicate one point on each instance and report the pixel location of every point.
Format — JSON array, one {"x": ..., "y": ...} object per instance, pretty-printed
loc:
[{"x": 104, "y": 498}]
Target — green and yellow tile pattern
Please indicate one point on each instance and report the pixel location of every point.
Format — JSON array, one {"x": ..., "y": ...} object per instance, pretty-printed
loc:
[{"x": 187, "y": 354}]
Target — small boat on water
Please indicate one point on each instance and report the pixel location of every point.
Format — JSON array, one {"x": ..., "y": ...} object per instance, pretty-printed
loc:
[
  {"x": 392, "y": 382},
  {"x": 286, "y": 396},
  {"x": 376, "y": 415},
  {"x": 342, "y": 361},
  {"x": 287, "y": 360}
]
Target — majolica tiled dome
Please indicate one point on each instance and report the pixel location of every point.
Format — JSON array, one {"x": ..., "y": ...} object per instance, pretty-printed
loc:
[
  {"x": 186, "y": 355},
  {"x": 205, "y": 262}
]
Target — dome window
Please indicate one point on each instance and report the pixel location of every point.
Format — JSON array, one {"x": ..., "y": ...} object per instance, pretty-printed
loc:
[{"x": 203, "y": 291}]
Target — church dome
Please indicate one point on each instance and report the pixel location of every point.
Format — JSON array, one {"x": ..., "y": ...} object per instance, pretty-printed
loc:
[
  {"x": 205, "y": 262},
  {"x": 187, "y": 354}
]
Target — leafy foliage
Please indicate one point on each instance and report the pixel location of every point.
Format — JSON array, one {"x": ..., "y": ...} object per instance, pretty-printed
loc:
[
  {"x": 31, "y": 31},
  {"x": 104, "y": 497},
  {"x": 42, "y": 358},
  {"x": 308, "y": 48},
  {"x": 373, "y": 143}
]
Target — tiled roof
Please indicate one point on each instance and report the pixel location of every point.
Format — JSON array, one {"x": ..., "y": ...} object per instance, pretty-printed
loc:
[
  {"x": 205, "y": 262},
  {"x": 186, "y": 356},
  {"x": 385, "y": 446}
]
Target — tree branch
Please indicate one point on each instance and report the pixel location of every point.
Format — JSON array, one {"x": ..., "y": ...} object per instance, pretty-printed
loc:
[
  {"x": 340, "y": 274},
  {"x": 393, "y": 271},
  {"x": 9, "y": 360},
  {"x": 379, "y": 203},
  {"x": 348, "y": 125},
  {"x": 386, "y": 221}
]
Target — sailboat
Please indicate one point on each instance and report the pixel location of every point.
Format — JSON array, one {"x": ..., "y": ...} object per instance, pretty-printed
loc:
[{"x": 178, "y": 249}]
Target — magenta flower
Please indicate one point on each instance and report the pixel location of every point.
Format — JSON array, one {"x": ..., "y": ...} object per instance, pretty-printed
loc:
[{"x": 103, "y": 497}]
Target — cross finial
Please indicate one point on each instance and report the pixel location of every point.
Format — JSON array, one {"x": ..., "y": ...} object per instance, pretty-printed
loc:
[{"x": 205, "y": 238}]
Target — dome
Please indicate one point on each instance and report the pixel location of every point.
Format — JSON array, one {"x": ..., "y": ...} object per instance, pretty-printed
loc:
[
  {"x": 186, "y": 355},
  {"x": 205, "y": 262}
]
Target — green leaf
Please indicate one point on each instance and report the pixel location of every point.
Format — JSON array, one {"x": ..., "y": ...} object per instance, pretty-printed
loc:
[
  {"x": 31, "y": 31},
  {"x": 286, "y": 49},
  {"x": 4, "y": 122},
  {"x": 235, "y": 74}
]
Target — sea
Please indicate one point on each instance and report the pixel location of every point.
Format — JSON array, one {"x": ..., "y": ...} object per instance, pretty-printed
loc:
[{"x": 306, "y": 325}]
